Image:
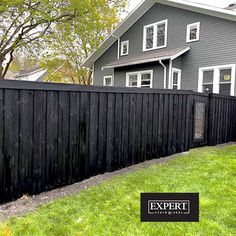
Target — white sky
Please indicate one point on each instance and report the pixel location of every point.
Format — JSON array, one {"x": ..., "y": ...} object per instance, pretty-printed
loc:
[{"x": 216, "y": 3}]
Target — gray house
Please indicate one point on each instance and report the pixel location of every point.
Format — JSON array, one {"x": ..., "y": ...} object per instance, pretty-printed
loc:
[{"x": 172, "y": 44}]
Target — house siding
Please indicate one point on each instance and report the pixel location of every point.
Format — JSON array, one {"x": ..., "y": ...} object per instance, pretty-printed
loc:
[{"x": 216, "y": 45}]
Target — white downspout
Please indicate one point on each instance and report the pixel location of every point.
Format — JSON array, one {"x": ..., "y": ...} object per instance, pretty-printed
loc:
[
  {"x": 163, "y": 65},
  {"x": 170, "y": 74},
  {"x": 118, "y": 53}
]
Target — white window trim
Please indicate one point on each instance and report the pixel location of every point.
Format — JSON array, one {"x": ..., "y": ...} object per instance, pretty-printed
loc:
[
  {"x": 216, "y": 77},
  {"x": 198, "y": 25},
  {"x": 139, "y": 74},
  {"x": 122, "y": 47},
  {"x": 179, "y": 78},
  {"x": 104, "y": 80},
  {"x": 155, "y": 35}
]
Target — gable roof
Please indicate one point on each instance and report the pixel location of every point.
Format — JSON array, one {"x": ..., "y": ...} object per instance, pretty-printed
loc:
[
  {"x": 149, "y": 57},
  {"x": 142, "y": 8}
]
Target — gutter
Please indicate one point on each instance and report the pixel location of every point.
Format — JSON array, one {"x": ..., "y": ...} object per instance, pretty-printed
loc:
[
  {"x": 170, "y": 74},
  {"x": 163, "y": 65}
]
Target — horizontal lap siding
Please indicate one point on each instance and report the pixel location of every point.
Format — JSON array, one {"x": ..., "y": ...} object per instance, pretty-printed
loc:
[{"x": 51, "y": 138}]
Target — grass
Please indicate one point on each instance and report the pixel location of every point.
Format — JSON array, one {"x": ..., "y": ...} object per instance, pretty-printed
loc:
[{"x": 113, "y": 208}]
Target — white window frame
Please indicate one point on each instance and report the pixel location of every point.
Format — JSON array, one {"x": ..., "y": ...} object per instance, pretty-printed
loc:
[
  {"x": 216, "y": 77},
  {"x": 198, "y": 25},
  {"x": 174, "y": 70},
  {"x": 106, "y": 77},
  {"x": 139, "y": 77},
  {"x": 155, "y": 25},
  {"x": 122, "y": 48}
]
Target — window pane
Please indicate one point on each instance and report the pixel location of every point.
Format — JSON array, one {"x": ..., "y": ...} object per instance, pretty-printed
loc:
[
  {"x": 193, "y": 33},
  {"x": 175, "y": 87},
  {"x": 175, "y": 78},
  {"x": 161, "y": 35},
  {"x": 146, "y": 80},
  {"x": 208, "y": 76},
  {"x": 225, "y": 89},
  {"x": 133, "y": 80},
  {"x": 225, "y": 75},
  {"x": 124, "y": 48},
  {"x": 149, "y": 37},
  {"x": 208, "y": 88},
  {"x": 108, "y": 81}
]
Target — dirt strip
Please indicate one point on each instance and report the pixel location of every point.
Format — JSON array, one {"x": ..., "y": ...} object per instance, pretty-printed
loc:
[{"x": 28, "y": 204}]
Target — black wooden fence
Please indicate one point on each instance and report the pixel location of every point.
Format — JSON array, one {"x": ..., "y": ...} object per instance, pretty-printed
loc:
[{"x": 53, "y": 135}]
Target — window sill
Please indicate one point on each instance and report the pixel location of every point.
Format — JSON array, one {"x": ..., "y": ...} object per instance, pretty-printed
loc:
[
  {"x": 151, "y": 49},
  {"x": 192, "y": 41}
]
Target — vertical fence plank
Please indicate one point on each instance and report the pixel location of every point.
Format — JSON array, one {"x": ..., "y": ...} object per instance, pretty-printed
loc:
[
  {"x": 11, "y": 141},
  {"x": 102, "y": 132},
  {"x": 161, "y": 119},
  {"x": 144, "y": 128},
  {"x": 118, "y": 131},
  {"x": 26, "y": 140},
  {"x": 39, "y": 141},
  {"x": 125, "y": 130},
  {"x": 84, "y": 134},
  {"x": 132, "y": 124},
  {"x": 138, "y": 129},
  {"x": 150, "y": 128},
  {"x": 155, "y": 153},
  {"x": 2, "y": 185},
  {"x": 52, "y": 140},
  {"x": 74, "y": 139},
  {"x": 93, "y": 135},
  {"x": 110, "y": 131}
]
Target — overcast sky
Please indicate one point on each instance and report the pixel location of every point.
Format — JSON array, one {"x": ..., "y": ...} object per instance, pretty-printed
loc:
[{"x": 216, "y": 3}]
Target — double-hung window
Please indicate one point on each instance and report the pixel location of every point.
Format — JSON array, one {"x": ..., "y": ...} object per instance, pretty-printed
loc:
[
  {"x": 124, "y": 48},
  {"x": 217, "y": 79},
  {"x": 108, "y": 80},
  {"x": 193, "y": 32},
  {"x": 140, "y": 79},
  {"x": 155, "y": 36}
]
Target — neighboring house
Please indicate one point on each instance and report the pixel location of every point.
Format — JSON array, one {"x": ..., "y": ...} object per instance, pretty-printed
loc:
[
  {"x": 34, "y": 74},
  {"x": 170, "y": 45}
]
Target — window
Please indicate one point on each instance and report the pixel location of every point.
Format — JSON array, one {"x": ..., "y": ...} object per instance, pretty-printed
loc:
[
  {"x": 176, "y": 79},
  {"x": 217, "y": 79},
  {"x": 108, "y": 80},
  {"x": 139, "y": 79},
  {"x": 155, "y": 36},
  {"x": 225, "y": 81},
  {"x": 207, "y": 84},
  {"x": 124, "y": 48},
  {"x": 193, "y": 32}
]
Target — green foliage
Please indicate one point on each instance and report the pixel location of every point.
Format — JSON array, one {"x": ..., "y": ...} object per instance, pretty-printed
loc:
[
  {"x": 71, "y": 43},
  {"x": 113, "y": 208},
  {"x": 35, "y": 25}
]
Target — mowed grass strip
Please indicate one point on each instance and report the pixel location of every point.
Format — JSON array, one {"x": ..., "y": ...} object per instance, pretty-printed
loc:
[{"x": 113, "y": 208}]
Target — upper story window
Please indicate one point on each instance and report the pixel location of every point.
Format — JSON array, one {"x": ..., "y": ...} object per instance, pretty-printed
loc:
[
  {"x": 124, "y": 48},
  {"x": 193, "y": 32},
  {"x": 108, "y": 80},
  {"x": 155, "y": 36}
]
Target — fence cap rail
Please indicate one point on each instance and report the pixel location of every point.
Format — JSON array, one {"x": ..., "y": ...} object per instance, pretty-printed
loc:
[{"x": 27, "y": 85}]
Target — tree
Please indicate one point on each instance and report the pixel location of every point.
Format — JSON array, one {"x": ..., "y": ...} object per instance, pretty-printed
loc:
[
  {"x": 28, "y": 23},
  {"x": 72, "y": 44}
]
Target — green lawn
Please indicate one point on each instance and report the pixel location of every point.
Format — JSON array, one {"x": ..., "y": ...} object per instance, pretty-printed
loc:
[{"x": 113, "y": 208}]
